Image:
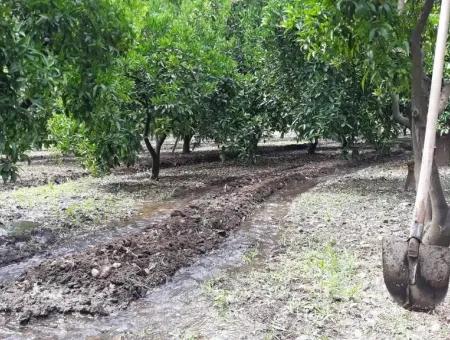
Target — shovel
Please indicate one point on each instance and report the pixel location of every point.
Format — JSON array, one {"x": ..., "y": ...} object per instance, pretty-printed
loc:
[{"x": 416, "y": 274}]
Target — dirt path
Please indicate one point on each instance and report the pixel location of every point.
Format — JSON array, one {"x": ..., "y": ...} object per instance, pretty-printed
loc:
[
  {"x": 170, "y": 309},
  {"x": 323, "y": 270}
]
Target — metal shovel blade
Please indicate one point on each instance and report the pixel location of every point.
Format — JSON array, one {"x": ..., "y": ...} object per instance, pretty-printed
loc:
[{"x": 432, "y": 275}]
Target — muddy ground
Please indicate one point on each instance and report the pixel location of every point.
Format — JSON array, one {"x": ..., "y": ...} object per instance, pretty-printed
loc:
[
  {"x": 55, "y": 200},
  {"x": 312, "y": 272},
  {"x": 325, "y": 278},
  {"x": 213, "y": 198},
  {"x": 321, "y": 277}
]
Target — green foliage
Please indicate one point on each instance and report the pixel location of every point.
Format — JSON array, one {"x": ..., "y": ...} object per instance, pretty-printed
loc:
[
  {"x": 339, "y": 61},
  {"x": 249, "y": 107},
  {"x": 26, "y": 83},
  {"x": 183, "y": 56},
  {"x": 230, "y": 71},
  {"x": 71, "y": 53},
  {"x": 66, "y": 133},
  {"x": 369, "y": 34},
  {"x": 71, "y": 137}
]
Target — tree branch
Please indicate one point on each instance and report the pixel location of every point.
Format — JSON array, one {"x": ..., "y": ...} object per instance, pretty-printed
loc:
[
  {"x": 396, "y": 114},
  {"x": 159, "y": 142},
  {"x": 418, "y": 73},
  {"x": 423, "y": 19},
  {"x": 401, "y": 6},
  {"x": 146, "y": 139}
]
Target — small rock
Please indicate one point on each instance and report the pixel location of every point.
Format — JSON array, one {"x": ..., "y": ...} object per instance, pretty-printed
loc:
[
  {"x": 177, "y": 213},
  {"x": 105, "y": 271},
  {"x": 116, "y": 265},
  {"x": 435, "y": 327},
  {"x": 95, "y": 272},
  {"x": 24, "y": 318}
]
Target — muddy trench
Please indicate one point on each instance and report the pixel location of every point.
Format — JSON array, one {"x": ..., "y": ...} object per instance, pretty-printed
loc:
[
  {"x": 180, "y": 304},
  {"x": 108, "y": 276}
]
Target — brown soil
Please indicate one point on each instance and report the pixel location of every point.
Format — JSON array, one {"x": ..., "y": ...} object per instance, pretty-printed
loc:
[
  {"x": 108, "y": 277},
  {"x": 196, "y": 174}
]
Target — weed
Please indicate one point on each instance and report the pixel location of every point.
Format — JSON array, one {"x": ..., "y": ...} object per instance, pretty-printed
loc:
[
  {"x": 220, "y": 296},
  {"x": 335, "y": 272},
  {"x": 250, "y": 255}
]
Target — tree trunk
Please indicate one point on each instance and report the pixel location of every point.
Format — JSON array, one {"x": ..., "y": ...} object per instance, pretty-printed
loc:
[
  {"x": 155, "y": 153},
  {"x": 438, "y": 228},
  {"x": 175, "y": 145},
  {"x": 187, "y": 143},
  {"x": 410, "y": 183},
  {"x": 313, "y": 146}
]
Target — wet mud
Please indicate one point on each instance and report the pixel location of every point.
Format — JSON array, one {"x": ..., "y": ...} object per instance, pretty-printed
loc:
[
  {"x": 107, "y": 277},
  {"x": 170, "y": 310}
]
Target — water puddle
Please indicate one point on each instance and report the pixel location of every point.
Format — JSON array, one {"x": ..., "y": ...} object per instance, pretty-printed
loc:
[{"x": 181, "y": 305}]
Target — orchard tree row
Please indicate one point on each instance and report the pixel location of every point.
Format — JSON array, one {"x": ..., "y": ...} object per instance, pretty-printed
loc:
[{"x": 97, "y": 78}]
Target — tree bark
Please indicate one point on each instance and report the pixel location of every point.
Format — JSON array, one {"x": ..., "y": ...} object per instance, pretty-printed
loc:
[
  {"x": 397, "y": 115},
  {"x": 187, "y": 143},
  {"x": 155, "y": 153},
  {"x": 410, "y": 183},
  {"x": 313, "y": 146},
  {"x": 175, "y": 145},
  {"x": 438, "y": 228}
]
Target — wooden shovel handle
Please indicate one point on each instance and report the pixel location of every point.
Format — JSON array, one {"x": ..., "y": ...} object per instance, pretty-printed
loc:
[{"x": 432, "y": 118}]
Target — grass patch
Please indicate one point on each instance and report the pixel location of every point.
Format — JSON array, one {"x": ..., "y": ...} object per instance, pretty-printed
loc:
[
  {"x": 220, "y": 296},
  {"x": 49, "y": 193},
  {"x": 80, "y": 204},
  {"x": 334, "y": 270},
  {"x": 250, "y": 255}
]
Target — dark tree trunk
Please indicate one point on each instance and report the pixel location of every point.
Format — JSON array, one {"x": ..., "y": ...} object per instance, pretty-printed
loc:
[
  {"x": 410, "y": 183},
  {"x": 187, "y": 143},
  {"x": 438, "y": 230},
  {"x": 155, "y": 152},
  {"x": 175, "y": 145},
  {"x": 313, "y": 146}
]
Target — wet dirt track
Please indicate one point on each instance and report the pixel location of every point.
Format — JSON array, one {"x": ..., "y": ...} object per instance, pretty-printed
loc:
[
  {"x": 67, "y": 277},
  {"x": 181, "y": 304}
]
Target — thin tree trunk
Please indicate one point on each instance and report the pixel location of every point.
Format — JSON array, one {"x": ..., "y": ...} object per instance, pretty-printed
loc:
[
  {"x": 187, "y": 143},
  {"x": 175, "y": 145},
  {"x": 155, "y": 153}
]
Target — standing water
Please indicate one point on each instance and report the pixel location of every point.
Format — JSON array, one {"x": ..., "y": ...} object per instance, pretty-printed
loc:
[{"x": 181, "y": 304}]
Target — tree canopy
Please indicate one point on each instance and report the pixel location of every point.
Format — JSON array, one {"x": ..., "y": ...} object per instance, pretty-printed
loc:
[{"x": 97, "y": 77}]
